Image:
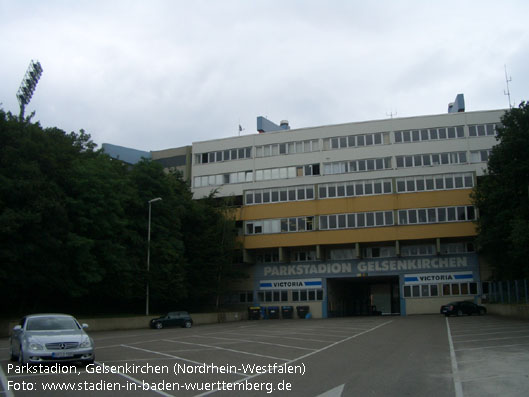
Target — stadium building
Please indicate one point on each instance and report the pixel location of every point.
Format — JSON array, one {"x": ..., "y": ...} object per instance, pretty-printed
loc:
[{"x": 360, "y": 218}]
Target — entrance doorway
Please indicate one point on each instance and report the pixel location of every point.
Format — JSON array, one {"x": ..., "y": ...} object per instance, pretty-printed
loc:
[{"x": 363, "y": 296}]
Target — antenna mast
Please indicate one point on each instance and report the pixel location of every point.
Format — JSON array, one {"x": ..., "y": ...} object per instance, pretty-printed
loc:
[{"x": 507, "y": 81}]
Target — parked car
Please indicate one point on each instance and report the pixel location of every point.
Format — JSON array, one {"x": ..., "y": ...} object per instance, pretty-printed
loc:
[
  {"x": 172, "y": 319},
  {"x": 41, "y": 338},
  {"x": 462, "y": 307}
]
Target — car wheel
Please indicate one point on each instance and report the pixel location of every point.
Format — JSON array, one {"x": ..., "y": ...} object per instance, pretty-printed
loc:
[
  {"x": 482, "y": 312},
  {"x": 187, "y": 324},
  {"x": 158, "y": 325},
  {"x": 21, "y": 359},
  {"x": 460, "y": 313},
  {"x": 12, "y": 355}
]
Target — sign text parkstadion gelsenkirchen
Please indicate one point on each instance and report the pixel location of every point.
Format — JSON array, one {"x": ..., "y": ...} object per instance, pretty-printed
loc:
[{"x": 371, "y": 267}]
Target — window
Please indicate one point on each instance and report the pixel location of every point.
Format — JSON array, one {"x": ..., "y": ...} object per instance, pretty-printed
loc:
[
  {"x": 307, "y": 295},
  {"x": 423, "y": 290},
  {"x": 417, "y": 250},
  {"x": 249, "y": 198},
  {"x": 436, "y": 215}
]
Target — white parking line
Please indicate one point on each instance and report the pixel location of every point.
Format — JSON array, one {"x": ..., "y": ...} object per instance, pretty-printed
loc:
[
  {"x": 338, "y": 329},
  {"x": 139, "y": 342},
  {"x": 115, "y": 337},
  {"x": 230, "y": 350},
  {"x": 455, "y": 371},
  {"x": 294, "y": 332},
  {"x": 3, "y": 382},
  {"x": 491, "y": 347},
  {"x": 489, "y": 333},
  {"x": 471, "y": 330},
  {"x": 316, "y": 330},
  {"x": 275, "y": 336},
  {"x": 309, "y": 354},
  {"x": 484, "y": 340},
  {"x": 253, "y": 341},
  {"x": 168, "y": 355}
]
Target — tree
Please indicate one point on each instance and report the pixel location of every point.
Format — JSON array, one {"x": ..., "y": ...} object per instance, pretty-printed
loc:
[
  {"x": 61, "y": 217},
  {"x": 502, "y": 197},
  {"x": 167, "y": 281},
  {"x": 73, "y": 228},
  {"x": 211, "y": 246}
]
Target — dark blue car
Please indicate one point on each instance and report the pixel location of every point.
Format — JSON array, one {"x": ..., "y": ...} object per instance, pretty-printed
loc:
[
  {"x": 462, "y": 307},
  {"x": 172, "y": 319}
]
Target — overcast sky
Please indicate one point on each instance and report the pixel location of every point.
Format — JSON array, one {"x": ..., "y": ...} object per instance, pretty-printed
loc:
[{"x": 158, "y": 74}]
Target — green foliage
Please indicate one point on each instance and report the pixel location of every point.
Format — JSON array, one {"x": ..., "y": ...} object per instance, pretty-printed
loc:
[
  {"x": 73, "y": 228},
  {"x": 502, "y": 196},
  {"x": 210, "y": 244}
]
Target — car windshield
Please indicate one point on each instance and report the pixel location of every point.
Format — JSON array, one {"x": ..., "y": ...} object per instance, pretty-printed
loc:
[{"x": 51, "y": 323}]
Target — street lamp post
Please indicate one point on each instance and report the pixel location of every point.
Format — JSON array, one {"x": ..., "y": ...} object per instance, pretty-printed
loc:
[{"x": 149, "y": 255}]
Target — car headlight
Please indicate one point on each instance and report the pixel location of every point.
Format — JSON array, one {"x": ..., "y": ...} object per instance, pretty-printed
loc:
[
  {"x": 86, "y": 343},
  {"x": 36, "y": 346}
]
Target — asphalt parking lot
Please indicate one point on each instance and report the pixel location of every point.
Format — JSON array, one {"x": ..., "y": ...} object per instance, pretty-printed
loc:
[
  {"x": 358, "y": 356},
  {"x": 490, "y": 356}
]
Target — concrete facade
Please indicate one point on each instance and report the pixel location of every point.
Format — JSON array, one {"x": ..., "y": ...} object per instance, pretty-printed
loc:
[{"x": 366, "y": 195}]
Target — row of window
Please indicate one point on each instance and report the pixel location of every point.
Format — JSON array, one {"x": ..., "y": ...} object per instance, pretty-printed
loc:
[
  {"x": 379, "y": 252},
  {"x": 432, "y": 159},
  {"x": 356, "y": 220},
  {"x": 276, "y": 149},
  {"x": 356, "y": 188},
  {"x": 361, "y": 140},
  {"x": 287, "y": 172},
  {"x": 305, "y": 254},
  {"x": 409, "y": 291},
  {"x": 437, "y": 215},
  {"x": 361, "y": 220},
  {"x": 329, "y": 190},
  {"x": 260, "y": 175},
  {"x": 429, "y": 134},
  {"x": 434, "y": 182},
  {"x": 342, "y": 142},
  {"x": 343, "y": 167},
  {"x": 304, "y": 295},
  {"x": 482, "y": 129},
  {"x": 276, "y": 195},
  {"x": 223, "y": 179},
  {"x": 360, "y": 188},
  {"x": 285, "y": 225},
  {"x": 224, "y": 155},
  {"x": 432, "y": 290}
]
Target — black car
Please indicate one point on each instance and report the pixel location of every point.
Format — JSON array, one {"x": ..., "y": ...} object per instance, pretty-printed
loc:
[
  {"x": 462, "y": 307},
  {"x": 172, "y": 319}
]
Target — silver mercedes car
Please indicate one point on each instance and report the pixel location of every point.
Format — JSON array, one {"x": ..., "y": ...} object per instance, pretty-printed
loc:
[{"x": 42, "y": 338}]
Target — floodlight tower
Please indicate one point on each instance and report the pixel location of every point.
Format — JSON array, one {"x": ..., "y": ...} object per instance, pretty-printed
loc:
[{"x": 28, "y": 85}]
